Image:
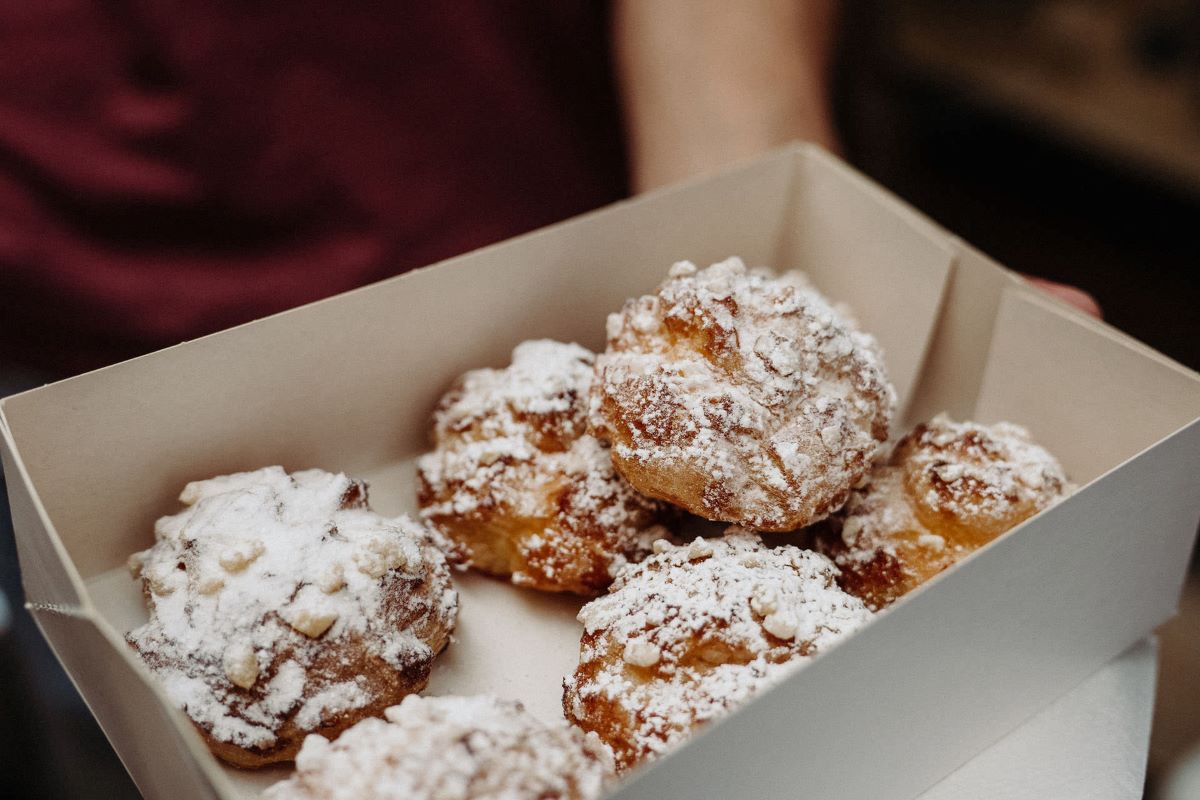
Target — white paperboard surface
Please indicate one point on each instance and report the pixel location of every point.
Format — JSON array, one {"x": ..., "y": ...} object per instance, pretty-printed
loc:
[
  {"x": 348, "y": 384},
  {"x": 1090, "y": 744}
]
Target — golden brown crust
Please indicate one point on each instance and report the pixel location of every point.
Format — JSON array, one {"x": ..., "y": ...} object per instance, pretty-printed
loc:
[
  {"x": 948, "y": 489},
  {"x": 741, "y": 397},
  {"x": 516, "y": 482}
]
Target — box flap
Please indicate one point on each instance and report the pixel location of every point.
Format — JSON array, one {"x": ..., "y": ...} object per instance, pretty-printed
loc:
[
  {"x": 1099, "y": 377},
  {"x": 47, "y": 575},
  {"x": 170, "y": 761},
  {"x": 891, "y": 268},
  {"x": 954, "y": 367}
]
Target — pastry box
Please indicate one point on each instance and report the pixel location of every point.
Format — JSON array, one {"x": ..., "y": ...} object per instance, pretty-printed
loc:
[{"x": 349, "y": 383}]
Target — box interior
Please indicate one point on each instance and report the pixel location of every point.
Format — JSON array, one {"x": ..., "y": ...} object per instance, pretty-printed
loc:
[{"x": 348, "y": 384}]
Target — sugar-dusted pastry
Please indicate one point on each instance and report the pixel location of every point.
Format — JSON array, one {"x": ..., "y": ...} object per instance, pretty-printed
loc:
[
  {"x": 517, "y": 482},
  {"x": 741, "y": 396},
  {"x": 693, "y": 631},
  {"x": 451, "y": 748},
  {"x": 281, "y": 605},
  {"x": 948, "y": 489}
]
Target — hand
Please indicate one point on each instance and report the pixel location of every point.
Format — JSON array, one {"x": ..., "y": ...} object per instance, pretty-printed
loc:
[{"x": 1071, "y": 295}]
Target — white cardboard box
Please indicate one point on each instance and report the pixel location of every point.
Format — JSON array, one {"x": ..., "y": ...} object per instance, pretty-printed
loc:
[{"x": 348, "y": 384}]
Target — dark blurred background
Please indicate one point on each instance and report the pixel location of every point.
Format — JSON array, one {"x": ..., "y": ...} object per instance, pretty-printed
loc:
[{"x": 1061, "y": 137}]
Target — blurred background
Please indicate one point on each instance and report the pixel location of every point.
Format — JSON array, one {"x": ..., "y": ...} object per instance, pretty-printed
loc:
[{"x": 1061, "y": 137}]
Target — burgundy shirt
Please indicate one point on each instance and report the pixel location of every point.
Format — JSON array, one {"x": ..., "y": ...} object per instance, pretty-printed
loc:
[{"x": 172, "y": 167}]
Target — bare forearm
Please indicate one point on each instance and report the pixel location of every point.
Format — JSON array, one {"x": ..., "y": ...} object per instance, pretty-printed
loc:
[{"x": 706, "y": 82}]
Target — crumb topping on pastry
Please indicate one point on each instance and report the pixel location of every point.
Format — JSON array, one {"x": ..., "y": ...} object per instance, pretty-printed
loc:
[
  {"x": 267, "y": 585},
  {"x": 694, "y": 630},
  {"x": 451, "y": 748},
  {"x": 948, "y": 488},
  {"x": 741, "y": 395},
  {"x": 515, "y": 479}
]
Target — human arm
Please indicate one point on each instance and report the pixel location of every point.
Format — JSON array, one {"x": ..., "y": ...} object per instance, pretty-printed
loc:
[{"x": 705, "y": 83}]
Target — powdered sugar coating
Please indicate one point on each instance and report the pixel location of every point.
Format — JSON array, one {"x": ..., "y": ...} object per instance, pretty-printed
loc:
[
  {"x": 948, "y": 488},
  {"x": 741, "y": 396},
  {"x": 695, "y": 630},
  {"x": 281, "y": 604},
  {"x": 517, "y": 482},
  {"x": 450, "y": 748}
]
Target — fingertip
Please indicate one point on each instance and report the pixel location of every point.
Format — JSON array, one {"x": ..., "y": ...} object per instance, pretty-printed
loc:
[{"x": 1071, "y": 295}]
